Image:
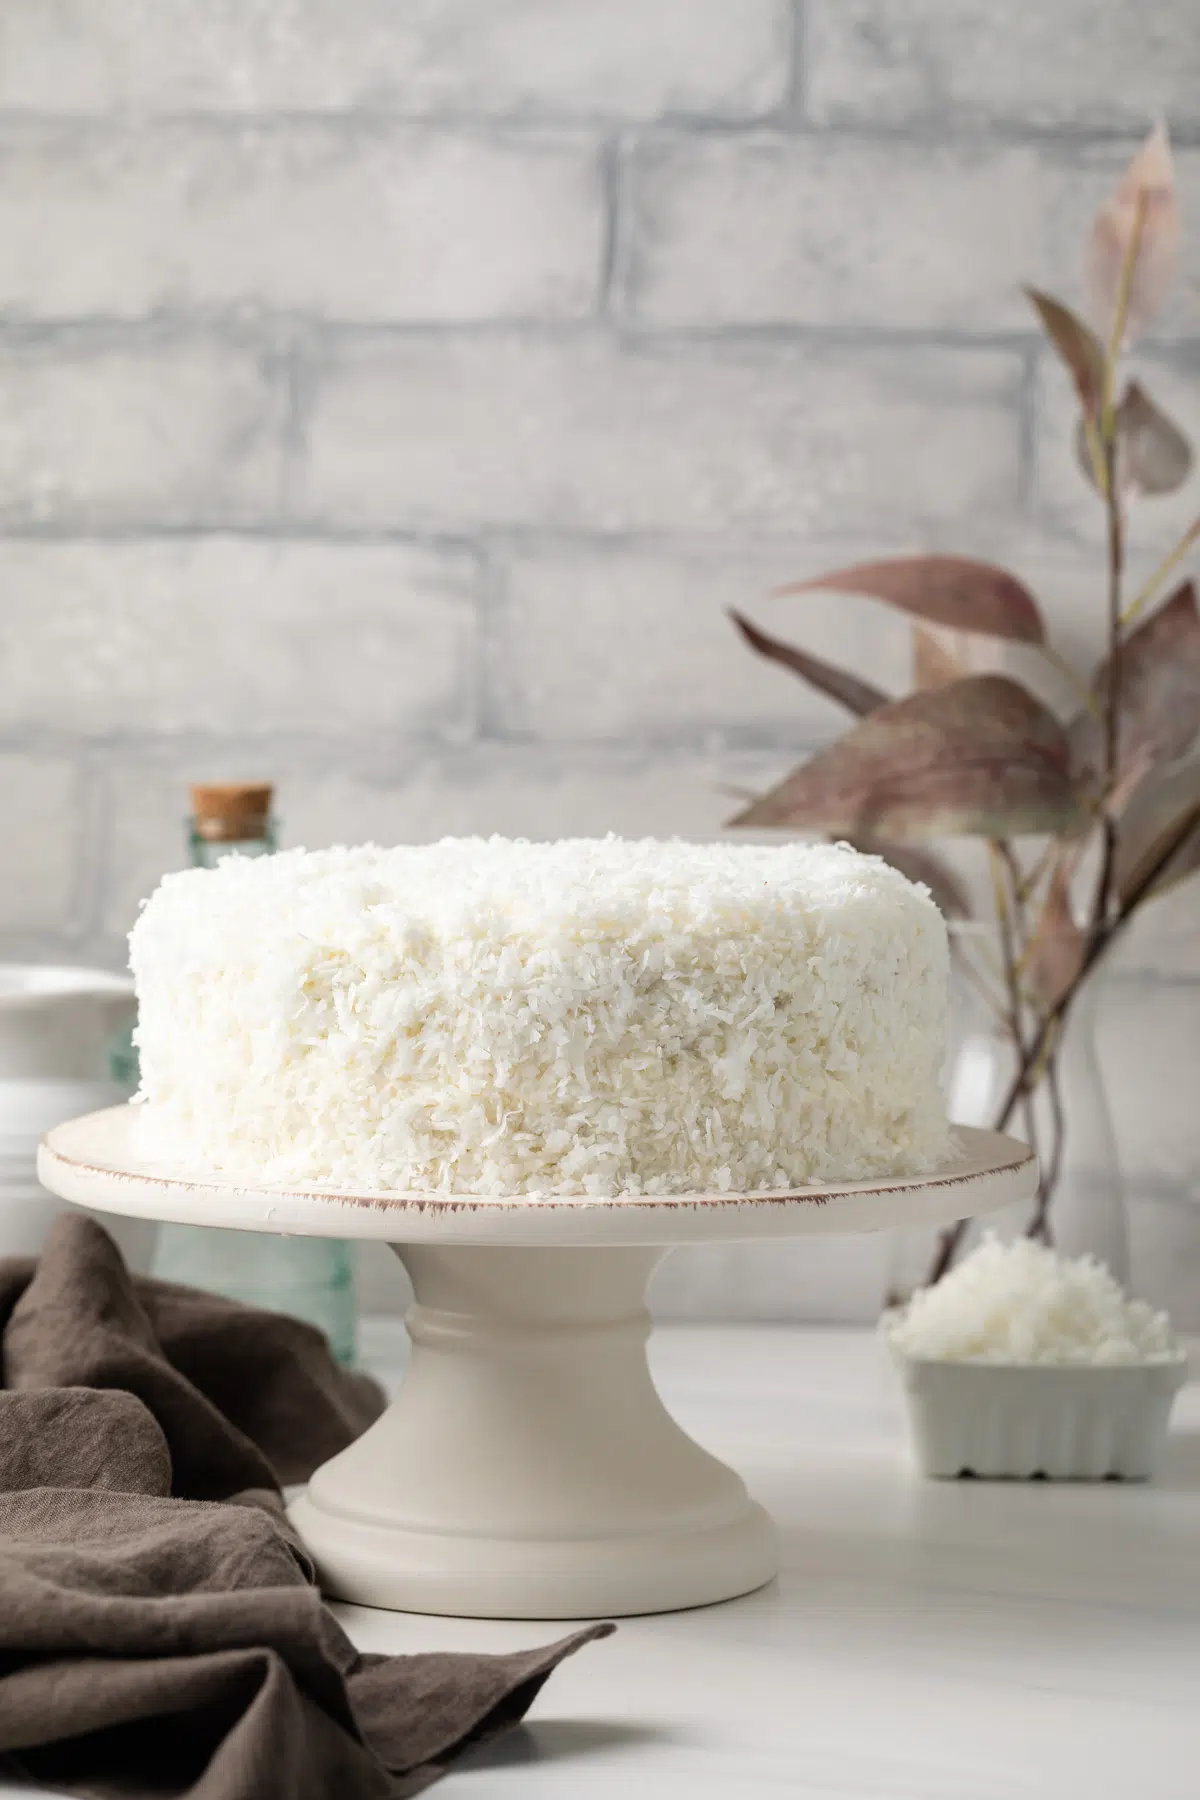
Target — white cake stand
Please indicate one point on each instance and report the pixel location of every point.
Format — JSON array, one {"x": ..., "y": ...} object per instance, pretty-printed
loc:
[{"x": 528, "y": 1468}]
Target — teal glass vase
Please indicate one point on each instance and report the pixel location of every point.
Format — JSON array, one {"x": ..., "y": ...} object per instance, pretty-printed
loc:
[{"x": 310, "y": 1278}]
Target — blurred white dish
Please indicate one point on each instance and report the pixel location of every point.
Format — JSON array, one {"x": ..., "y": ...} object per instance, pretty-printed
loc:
[
  {"x": 56, "y": 1028},
  {"x": 56, "y": 1023}
]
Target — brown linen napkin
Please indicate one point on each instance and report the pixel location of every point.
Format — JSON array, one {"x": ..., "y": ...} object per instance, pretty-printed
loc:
[{"x": 160, "y": 1635}]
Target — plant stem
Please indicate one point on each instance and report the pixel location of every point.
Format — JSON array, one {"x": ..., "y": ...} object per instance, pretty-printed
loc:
[
  {"x": 1095, "y": 455},
  {"x": 1040, "y": 1224},
  {"x": 1031, "y": 880},
  {"x": 993, "y": 1001},
  {"x": 1102, "y": 903},
  {"x": 1111, "y": 699},
  {"x": 1169, "y": 563},
  {"x": 1079, "y": 687},
  {"x": 1010, "y": 915}
]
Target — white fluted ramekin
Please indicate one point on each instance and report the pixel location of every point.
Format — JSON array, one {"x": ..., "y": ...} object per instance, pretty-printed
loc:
[{"x": 1008, "y": 1421}]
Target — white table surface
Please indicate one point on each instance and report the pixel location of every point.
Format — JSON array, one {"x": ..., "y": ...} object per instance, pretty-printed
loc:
[{"x": 926, "y": 1641}]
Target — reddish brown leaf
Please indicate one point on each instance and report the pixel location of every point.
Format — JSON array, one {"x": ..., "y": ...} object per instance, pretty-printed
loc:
[
  {"x": 1153, "y": 456},
  {"x": 937, "y": 656},
  {"x": 1161, "y": 827},
  {"x": 858, "y": 696},
  {"x": 1078, "y": 346},
  {"x": 1056, "y": 945},
  {"x": 1159, "y": 693},
  {"x": 1145, "y": 193},
  {"x": 980, "y": 756},
  {"x": 945, "y": 590},
  {"x": 922, "y": 865}
]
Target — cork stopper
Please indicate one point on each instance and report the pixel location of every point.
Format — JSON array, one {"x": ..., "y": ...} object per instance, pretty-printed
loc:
[{"x": 234, "y": 812}]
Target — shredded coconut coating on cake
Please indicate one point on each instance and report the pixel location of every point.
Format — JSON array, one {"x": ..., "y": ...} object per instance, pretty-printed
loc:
[{"x": 595, "y": 1017}]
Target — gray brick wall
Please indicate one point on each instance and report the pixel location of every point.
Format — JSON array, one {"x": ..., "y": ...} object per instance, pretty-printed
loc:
[{"x": 393, "y": 399}]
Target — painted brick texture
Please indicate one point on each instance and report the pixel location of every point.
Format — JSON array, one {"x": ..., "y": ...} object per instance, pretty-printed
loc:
[
  {"x": 617, "y": 59},
  {"x": 440, "y": 433},
  {"x": 339, "y": 221},
  {"x": 1075, "y": 65}
]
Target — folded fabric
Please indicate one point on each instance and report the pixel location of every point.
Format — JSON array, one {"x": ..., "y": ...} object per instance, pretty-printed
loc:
[{"x": 160, "y": 1631}]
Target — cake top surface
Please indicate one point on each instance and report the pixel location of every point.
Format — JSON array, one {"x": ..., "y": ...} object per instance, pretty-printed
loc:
[{"x": 469, "y": 886}]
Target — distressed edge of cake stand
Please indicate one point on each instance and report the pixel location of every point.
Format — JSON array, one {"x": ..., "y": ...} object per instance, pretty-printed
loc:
[{"x": 527, "y": 1468}]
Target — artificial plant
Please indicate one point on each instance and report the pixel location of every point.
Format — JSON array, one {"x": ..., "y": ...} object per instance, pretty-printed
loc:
[{"x": 1087, "y": 817}]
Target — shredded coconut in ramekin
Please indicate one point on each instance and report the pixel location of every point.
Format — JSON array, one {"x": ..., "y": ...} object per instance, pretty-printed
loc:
[{"x": 1021, "y": 1303}]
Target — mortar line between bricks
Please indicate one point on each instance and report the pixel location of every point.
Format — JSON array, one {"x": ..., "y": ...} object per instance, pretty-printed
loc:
[
  {"x": 921, "y": 134},
  {"x": 1028, "y": 431},
  {"x": 268, "y": 531},
  {"x": 611, "y": 191},
  {"x": 275, "y": 332},
  {"x": 531, "y": 540},
  {"x": 918, "y": 129},
  {"x": 288, "y": 333},
  {"x": 948, "y": 132},
  {"x": 516, "y": 126},
  {"x": 798, "y": 109},
  {"x": 309, "y": 747}
]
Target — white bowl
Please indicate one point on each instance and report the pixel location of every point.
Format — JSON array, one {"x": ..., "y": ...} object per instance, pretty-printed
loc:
[
  {"x": 29, "y": 1107},
  {"x": 56, "y": 1024},
  {"x": 1008, "y": 1421}
]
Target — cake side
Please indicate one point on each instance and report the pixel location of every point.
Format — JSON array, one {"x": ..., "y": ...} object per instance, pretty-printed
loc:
[{"x": 590, "y": 1016}]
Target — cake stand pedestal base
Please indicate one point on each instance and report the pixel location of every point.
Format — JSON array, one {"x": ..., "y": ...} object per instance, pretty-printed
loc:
[{"x": 528, "y": 1468}]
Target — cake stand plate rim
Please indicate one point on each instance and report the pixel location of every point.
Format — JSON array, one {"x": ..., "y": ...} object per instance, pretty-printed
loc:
[{"x": 92, "y": 1162}]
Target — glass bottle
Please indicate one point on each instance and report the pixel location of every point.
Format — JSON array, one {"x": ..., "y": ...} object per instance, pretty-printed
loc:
[
  {"x": 310, "y": 1278},
  {"x": 1068, "y": 1121}
]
